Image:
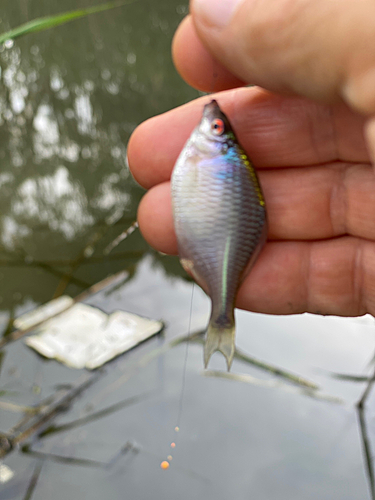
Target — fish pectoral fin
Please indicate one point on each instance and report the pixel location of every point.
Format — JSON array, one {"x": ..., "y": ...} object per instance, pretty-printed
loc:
[{"x": 220, "y": 339}]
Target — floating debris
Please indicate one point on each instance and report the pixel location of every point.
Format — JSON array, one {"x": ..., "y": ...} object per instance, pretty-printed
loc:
[
  {"x": 43, "y": 312},
  {"x": 85, "y": 337},
  {"x": 6, "y": 473}
]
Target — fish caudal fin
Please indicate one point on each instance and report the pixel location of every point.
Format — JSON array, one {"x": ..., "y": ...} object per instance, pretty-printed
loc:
[{"x": 220, "y": 339}]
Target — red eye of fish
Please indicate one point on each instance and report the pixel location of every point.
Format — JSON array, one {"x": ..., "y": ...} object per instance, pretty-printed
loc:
[{"x": 217, "y": 126}]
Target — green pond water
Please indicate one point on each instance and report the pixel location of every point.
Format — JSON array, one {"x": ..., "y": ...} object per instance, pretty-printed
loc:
[{"x": 69, "y": 99}]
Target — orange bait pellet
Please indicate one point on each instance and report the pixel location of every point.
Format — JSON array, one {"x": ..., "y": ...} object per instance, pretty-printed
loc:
[
  {"x": 164, "y": 464},
  {"x": 173, "y": 445}
]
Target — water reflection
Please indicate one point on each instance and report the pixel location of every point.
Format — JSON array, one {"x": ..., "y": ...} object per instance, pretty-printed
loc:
[{"x": 70, "y": 97}]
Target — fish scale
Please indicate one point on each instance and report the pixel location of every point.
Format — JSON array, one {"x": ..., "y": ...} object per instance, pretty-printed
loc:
[{"x": 220, "y": 220}]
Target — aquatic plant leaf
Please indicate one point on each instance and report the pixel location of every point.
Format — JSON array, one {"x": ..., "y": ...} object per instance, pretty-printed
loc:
[{"x": 47, "y": 22}]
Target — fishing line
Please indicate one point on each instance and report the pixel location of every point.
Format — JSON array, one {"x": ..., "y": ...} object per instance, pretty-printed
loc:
[
  {"x": 165, "y": 464},
  {"x": 185, "y": 362}
]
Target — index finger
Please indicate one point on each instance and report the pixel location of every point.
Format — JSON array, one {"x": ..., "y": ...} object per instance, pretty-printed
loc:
[{"x": 275, "y": 131}]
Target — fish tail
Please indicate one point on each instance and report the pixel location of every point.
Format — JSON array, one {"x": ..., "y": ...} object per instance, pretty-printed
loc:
[{"x": 220, "y": 338}]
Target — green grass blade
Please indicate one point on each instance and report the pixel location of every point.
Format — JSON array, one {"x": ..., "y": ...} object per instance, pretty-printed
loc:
[{"x": 45, "y": 23}]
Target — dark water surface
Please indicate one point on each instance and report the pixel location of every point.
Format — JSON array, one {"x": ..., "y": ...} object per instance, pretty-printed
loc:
[{"x": 69, "y": 99}]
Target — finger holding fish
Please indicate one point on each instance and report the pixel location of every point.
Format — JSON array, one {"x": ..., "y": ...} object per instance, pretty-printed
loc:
[
  {"x": 276, "y": 131},
  {"x": 319, "y": 191},
  {"x": 306, "y": 203},
  {"x": 196, "y": 65},
  {"x": 326, "y": 276},
  {"x": 333, "y": 276}
]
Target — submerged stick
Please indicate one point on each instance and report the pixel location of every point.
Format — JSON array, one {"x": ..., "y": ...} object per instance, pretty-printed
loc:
[
  {"x": 33, "y": 481},
  {"x": 10, "y": 440},
  {"x": 279, "y": 372},
  {"x": 121, "y": 237},
  {"x": 249, "y": 379},
  {"x": 366, "y": 448},
  {"x": 296, "y": 379}
]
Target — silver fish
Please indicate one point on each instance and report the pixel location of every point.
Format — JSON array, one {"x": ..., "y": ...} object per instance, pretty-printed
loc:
[{"x": 220, "y": 220}]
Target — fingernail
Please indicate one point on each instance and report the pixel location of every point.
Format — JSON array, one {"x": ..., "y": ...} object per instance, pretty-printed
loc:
[{"x": 216, "y": 13}]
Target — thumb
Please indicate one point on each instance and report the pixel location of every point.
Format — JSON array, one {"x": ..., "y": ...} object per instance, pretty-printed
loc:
[{"x": 318, "y": 49}]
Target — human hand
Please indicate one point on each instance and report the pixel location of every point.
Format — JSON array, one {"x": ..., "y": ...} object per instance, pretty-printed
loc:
[{"x": 311, "y": 158}]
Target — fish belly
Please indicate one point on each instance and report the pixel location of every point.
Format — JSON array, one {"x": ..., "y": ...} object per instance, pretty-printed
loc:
[{"x": 220, "y": 225}]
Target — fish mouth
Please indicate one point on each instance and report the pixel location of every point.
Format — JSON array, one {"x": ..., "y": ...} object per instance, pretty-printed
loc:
[{"x": 211, "y": 108}]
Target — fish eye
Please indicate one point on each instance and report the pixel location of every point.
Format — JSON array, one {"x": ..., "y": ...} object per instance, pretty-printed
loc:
[{"x": 217, "y": 126}]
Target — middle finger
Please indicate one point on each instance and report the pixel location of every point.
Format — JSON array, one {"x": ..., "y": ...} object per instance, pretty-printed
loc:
[{"x": 302, "y": 204}]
